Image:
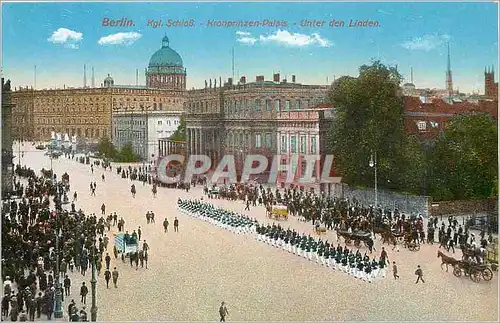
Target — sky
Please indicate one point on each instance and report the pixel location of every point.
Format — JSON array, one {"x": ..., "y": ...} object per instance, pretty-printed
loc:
[{"x": 59, "y": 38}]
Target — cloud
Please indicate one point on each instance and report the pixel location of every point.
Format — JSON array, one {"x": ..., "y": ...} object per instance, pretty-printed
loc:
[
  {"x": 385, "y": 12},
  {"x": 426, "y": 42},
  {"x": 243, "y": 33},
  {"x": 68, "y": 38},
  {"x": 119, "y": 39},
  {"x": 285, "y": 38},
  {"x": 247, "y": 40}
]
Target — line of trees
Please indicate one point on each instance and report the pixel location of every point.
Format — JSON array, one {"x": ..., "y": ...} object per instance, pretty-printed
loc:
[
  {"x": 126, "y": 154},
  {"x": 461, "y": 164}
]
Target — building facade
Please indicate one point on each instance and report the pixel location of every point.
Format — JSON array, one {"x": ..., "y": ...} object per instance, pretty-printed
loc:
[
  {"x": 7, "y": 154},
  {"x": 144, "y": 129},
  {"x": 251, "y": 118}
]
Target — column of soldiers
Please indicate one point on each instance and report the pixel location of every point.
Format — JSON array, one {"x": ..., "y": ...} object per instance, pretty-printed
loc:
[
  {"x": 220, "y": 217},
  {"x": 322, "y": 252}
]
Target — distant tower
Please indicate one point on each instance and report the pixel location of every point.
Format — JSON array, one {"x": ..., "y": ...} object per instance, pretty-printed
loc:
[
  {"x": 490, "y": 87},
  {"x": 93, "y": 79},
  {"x": 84, "y": 76},
  {"x": 449, "y": 79}
]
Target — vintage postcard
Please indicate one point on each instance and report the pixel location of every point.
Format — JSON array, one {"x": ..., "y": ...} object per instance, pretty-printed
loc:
[{"x": 249, "y": 161}]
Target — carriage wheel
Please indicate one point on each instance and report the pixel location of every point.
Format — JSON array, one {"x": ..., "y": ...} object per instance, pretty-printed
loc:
[
  {"x": 457, "y": 271},
  {"x": 487, "y": 274},
  {"x": 357, "y": 243},
  {"x": 411, "y": 247},
  {"x": 475, "y": 275},
  {"x": 417, "y": 247},
  {"x": 347, "y": 241}
]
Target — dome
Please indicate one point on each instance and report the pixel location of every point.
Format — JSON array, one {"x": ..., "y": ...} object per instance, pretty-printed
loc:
[
  {"x": 165, "y": 56},
  {"x": 108, "y": 81},
  {"x": 409, "y": 85}
]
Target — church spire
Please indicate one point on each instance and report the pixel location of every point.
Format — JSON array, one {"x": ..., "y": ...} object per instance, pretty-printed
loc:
[{"x": 449, "y": 79}]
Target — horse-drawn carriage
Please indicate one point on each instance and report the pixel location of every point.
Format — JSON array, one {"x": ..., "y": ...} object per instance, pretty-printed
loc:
[
  {"x": 319, "y": 229},
  {"x": 473, "y": 270},
  {"x": 278, "y": 212},
  {"x": 356, "y": 236}
]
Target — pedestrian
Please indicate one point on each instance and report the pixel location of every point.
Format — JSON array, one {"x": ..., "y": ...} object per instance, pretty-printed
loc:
[
  {"x": 115, "y": 277},
  {"x": 419, "y": 274},
  {"x": 139, "y": 233},
  {"x": 176, "y": 225},
  {"x": 107, "y": 259},
  {"x": 103, "y": 178},
  {"x": 223, "y": 312},
  {"x": 107, "y": 277},
  {"x": 83, "y": 293},
  {"x": 383, "y": 256},
  {"x": 103, "y": 209},
  {"x": 67, "y": 285},
  {"x": 395, "y": 270}
]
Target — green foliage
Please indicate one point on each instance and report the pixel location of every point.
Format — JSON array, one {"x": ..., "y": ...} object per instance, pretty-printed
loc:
[
  {"x": 464, "y": 163},
  {"x": 127, "y": 154},
  {"x": 369, "y": 119},
  {"x": 106, "y": 148},
  {"x": 180, "y": 133}
]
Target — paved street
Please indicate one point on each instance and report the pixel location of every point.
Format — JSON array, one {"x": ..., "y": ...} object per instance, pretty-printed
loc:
[{"x": 192, "y": 271}]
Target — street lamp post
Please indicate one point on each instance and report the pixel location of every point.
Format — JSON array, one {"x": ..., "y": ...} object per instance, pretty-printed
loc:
[
  {"x": 373, "y": 163},
  {"x": 58, "y": 312},
  {"x": 93, "y": 309}
]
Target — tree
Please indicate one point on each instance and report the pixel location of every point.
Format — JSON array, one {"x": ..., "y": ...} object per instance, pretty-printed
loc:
[
  {"x": 369, "y": 120},
  {"x": 106, "y": 148},
  {"x": 180, "y": 132},
  {"x": 464, "y": 162},
  {"x": 127, "y": 154}
]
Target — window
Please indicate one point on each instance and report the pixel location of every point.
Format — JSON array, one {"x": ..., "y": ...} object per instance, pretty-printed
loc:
[
  {"x": 287, "y": 105},
  {"x": 297, "y": 105},
  {"x": 422, "y": 125},
  {"x": 306, "y": 104},
  {"x": 284, "y": 147},
  {"x": 268, "y": 105},
  {"x": 268, "y": 140},
  {"x": 241, "y": 139},
  {"x": 159, "y": 122},
  {"x": 313, "y": 145},
  {"x": 277, "y": 106},
  {"x": 303, "y": 144},
  {"x": 257, "y": 105},
  {"x": 293, "y": 144},
  {"x": 258, "y": 142}
]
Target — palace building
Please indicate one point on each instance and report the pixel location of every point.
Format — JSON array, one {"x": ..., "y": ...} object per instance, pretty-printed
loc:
[
  {"x": 118, "y": 112},
  {"x": 266, "y": 117}
]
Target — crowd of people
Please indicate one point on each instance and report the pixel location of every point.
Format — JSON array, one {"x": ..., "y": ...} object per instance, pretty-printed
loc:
[{"x": 43, "y": 244}]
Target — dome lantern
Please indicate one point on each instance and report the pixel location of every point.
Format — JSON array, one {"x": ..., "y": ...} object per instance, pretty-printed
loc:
[{"x": 165, "y": 42}]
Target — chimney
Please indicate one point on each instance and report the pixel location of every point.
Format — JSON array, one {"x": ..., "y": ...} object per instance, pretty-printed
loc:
[
  {"x": 259, "y": 78},
  {"x": 276, "y": 77},
  {"x": 243, "y": 80},
  {"x": 293, "y": 78}
]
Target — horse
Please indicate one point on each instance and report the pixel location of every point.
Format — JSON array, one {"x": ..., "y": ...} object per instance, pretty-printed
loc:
[{"x": 447, "y": 260}]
